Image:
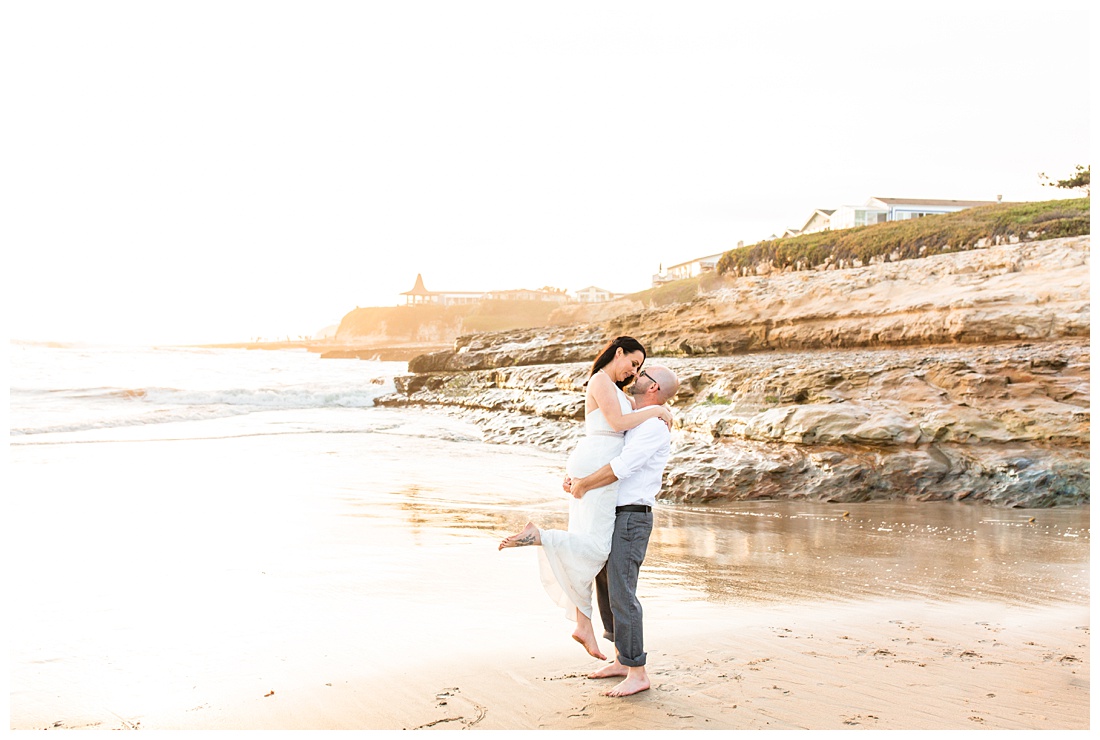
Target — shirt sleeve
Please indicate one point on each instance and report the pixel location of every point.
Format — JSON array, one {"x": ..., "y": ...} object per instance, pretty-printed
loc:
[{"x": 640, "y": 447}]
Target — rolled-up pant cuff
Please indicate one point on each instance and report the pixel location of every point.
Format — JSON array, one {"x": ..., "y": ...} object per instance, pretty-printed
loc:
[{"x": 635, "y": 662}]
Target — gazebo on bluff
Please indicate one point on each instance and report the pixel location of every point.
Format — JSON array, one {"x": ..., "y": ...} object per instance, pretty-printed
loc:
[{"x": 419, "y": 294}]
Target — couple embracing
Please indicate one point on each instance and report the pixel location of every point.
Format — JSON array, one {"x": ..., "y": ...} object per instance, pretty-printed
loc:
[{"x": 614, "y": 475}]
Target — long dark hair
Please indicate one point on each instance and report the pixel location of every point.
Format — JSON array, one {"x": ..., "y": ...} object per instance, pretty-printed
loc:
[{"x": 607, "y": 354}]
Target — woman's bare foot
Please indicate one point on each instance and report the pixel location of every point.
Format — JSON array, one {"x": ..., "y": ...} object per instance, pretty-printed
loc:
[
  {"x": 529, "y": 536},
  {"x": 590, "y": 645},
  {"x": 614, "y": 670},
  {"x": 636, "y": 681},
  {"x": 585, "y": 635}
]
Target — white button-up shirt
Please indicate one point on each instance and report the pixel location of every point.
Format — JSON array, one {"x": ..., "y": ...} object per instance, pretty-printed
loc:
[{"x": 641, "y": 464}]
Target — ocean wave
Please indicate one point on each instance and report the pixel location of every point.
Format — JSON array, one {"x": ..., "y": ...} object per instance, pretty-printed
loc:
[
  {"x": 265, "y": 398},
  {"x": 278, "y": 398},
  {"x": 155, "y": 417},
  {"x": 103, "y": 408}
]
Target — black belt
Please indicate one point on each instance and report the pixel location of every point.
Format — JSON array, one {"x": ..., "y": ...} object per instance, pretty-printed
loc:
[{"x": 641, "y": 508}]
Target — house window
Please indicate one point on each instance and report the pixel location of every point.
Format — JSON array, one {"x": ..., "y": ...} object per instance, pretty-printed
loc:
[{"x": 865, "y": 218}]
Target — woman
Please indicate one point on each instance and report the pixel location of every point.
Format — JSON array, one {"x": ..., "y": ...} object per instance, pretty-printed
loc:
[{"x": 570, "y": 560}]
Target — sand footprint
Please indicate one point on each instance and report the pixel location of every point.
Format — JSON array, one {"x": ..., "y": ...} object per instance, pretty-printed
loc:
[
  {"x": 564, "y": 676},
  {"x": 579, "y": 712},
  {"x": 450, "y": 699},
  {"x": 859, "y": 719}
]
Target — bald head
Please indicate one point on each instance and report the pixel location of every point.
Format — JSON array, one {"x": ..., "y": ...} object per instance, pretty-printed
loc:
[
  {"x": 665, "y": 378},
  {"x": 656, "y": 385}
]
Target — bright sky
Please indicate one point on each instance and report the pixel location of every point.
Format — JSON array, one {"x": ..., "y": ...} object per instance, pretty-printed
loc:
[{"x": 217, "y": 171}]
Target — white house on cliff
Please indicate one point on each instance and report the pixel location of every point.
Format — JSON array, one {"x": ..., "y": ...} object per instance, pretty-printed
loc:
[
  {"x": 881, "y": 210},
  {"x": 689, "y": 269},
  {"x": 592, "y": 294},
  {"x": 819, "y": 221},
  {"x": 874, "y": 211}
]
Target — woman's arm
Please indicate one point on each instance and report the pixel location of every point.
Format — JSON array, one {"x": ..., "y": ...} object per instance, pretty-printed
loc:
[{"x": 604, "y": 393}]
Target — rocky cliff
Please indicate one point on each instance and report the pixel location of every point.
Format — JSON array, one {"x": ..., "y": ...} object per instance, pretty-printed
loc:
[{"x": 957, "y": 377}]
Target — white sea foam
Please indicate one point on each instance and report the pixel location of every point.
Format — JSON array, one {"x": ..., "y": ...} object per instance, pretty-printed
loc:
[
  {"x": 50, "y": 390},
  {"x": 166, "y": 405},
  {"x": 161, "y": 416},
  {"x": 266, "y": 398}
]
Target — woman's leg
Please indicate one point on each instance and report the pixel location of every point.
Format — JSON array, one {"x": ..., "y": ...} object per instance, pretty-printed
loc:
[{"x": 586, "y": 636}]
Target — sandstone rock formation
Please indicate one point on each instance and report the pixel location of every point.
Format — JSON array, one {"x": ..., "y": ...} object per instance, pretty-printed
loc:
[
  {"x": 1028, "y": 291},
  {"x": 956, "y": 377}
]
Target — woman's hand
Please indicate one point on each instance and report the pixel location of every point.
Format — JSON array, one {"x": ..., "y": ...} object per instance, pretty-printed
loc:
[
  {"x": 566, "y": 485},
  {"x": 665, "y": 415}
]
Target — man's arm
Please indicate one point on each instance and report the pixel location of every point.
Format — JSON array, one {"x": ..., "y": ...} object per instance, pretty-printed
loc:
[
  {"x": 640, "y": 446},
  {"x": 605, "y": 476}
]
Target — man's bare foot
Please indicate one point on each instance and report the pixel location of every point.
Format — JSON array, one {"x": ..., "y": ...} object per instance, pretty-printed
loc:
[
  {"x": 585, "y": 635},
  {"x": 634, "y": 683},
  {"x": 613, "y": 670},
  {"x": 529, "y": 536}
]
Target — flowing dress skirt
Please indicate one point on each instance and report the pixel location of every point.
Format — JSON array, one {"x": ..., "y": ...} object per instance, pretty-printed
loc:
[{"x": 570, "y": 560}]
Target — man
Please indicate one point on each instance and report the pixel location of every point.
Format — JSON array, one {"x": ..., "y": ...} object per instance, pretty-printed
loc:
[{"x": 638, "y": 469}]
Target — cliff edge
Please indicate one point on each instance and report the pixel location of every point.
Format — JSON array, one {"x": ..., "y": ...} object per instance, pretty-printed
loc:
[{"x": 961, "y": 376}]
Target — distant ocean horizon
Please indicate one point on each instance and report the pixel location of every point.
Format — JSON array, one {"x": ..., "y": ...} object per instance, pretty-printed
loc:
[{"x": 74, "y": 389}]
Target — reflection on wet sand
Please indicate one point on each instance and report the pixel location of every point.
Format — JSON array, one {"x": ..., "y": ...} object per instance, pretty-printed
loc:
[
  {"x": 792, "y": 551},
  {"x": 421, "y": 511},
  {"x": 782, "y": 552}
]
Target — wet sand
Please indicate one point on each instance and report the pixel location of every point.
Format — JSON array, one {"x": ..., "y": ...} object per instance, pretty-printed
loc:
[{"x": 348, "y": 579}]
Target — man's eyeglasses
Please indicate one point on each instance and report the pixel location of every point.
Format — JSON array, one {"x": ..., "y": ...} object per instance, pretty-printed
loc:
[{"x": 644, "y": 374}]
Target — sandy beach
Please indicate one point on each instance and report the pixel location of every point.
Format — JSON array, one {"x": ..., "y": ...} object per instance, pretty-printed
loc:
[
  {"x": 887, "y": 666},
  {"x": 338, "y": 570},
  {"x": 881, "y": 665}
]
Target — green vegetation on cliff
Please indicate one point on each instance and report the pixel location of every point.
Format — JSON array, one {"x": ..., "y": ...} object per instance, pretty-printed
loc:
[
  {"x": 922, "y": 237},
  {"x": 678, "y": 291}
]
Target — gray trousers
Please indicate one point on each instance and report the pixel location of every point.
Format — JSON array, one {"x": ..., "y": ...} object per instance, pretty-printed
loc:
[{"x": 617, "y": 586}]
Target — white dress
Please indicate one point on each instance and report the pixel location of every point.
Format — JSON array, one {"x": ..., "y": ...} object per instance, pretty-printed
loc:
[{"x": 569, "y": 561}]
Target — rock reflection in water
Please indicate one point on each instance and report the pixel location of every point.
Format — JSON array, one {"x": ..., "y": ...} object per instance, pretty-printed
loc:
[
  {"x": 789, "y": 551},
  {"x": 784, "y": 551}
]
